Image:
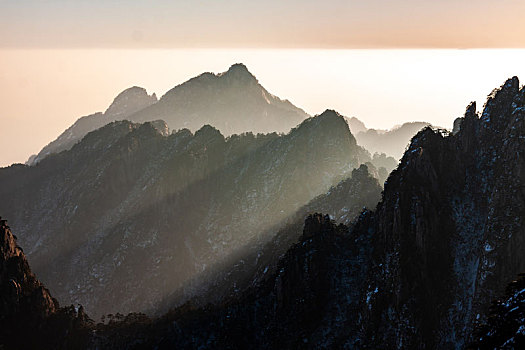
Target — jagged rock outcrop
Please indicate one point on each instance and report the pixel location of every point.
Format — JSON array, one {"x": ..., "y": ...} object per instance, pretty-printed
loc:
[
  {"x": 30, "y": 317},
  {"x": 106, "y": 222},
  {"x": 233, "y": 102}
]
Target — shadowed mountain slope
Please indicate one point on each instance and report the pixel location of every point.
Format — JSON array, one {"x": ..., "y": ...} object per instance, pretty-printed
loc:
[
  {"x": 252, "y": 264},
  {"x": 129, "y": 215}
]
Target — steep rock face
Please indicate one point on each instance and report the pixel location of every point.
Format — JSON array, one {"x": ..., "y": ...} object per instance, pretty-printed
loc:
[
  {"x": 21, "y": 291},
  {"x": 449, "y": 230},
  {"x": 107, "y": 221},
  {"x": 125, "y": 104},
  {"x": 505, "y": 325},
  {"x": 29, "y": 316},
  {"x": 233, "y": 102}
]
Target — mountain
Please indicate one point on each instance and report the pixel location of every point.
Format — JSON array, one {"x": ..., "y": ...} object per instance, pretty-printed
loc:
[
  {"x": 30, "y": 317},
  {"x": 356, "y": 126},
  {"x": 129, "y": 215},
  {"x": 233, "y": 102},
  {"x": 125, "y": 104},
  {"x": 419, "y": 271},
  {"x": 392, "y": 142}
]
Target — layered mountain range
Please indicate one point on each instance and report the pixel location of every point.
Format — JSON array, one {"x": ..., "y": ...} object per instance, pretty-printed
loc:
[
  {"x": 129, "y": 214},
  {"x": 233, "y": 102}
]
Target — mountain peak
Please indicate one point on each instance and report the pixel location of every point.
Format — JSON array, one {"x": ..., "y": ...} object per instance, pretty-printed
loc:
[
  {"x": 239, "y": 71},
  {"x": 331, "y": 115},
  {"x": 240, "y": 67},
  {"x": 130, "y": 101}
]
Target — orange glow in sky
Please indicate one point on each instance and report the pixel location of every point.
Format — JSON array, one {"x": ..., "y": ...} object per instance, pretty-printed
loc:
[{"x": 42, "y": 92}]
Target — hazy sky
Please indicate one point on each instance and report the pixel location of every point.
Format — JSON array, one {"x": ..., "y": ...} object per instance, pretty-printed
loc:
[
  {"x": 268, "y": 24},
  {"x": 60, "y": 60}
]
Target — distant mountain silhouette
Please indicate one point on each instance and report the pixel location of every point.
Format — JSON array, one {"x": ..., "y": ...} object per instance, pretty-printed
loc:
[
  {"x": 233, "y": 102},
  {"x": 130, "y": 214},
  {"x": 125, "y": 104},
  {"x": 116, "y": 218},
  {"x": 356, "y": 126},
  {"x": 392, "y": 142}
]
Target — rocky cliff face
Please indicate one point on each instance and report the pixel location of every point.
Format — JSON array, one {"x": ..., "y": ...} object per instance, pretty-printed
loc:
[
  {"x": 448, "y": 231},
  {"x": 505, "y": 325},
  {"x": 106, "y": 222},
  {"x": 29, "y": 316}
]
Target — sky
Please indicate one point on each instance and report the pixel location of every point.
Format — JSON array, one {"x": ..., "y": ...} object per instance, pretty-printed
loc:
[
  {"x": 262, "y": 24},
  {"x": 385, "y": 62}
]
